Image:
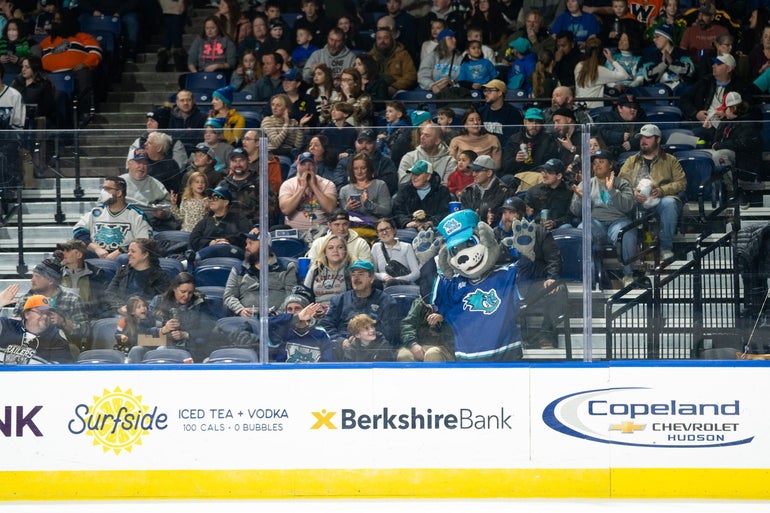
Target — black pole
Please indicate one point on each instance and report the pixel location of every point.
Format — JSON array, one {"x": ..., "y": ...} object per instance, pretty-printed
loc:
[
  {"x": 79, "y": 193},
  {"x": 21, "y": 268}
]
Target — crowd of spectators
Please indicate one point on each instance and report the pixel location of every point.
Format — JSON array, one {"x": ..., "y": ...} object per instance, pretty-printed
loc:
[{"x": 351, "y": 169}]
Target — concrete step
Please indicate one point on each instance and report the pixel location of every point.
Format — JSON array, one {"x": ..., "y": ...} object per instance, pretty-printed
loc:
[
  {"x": 36, "y": 237},
  {"x": 43, "y": 212},
  {"x": 145, "y": 98},
  {"x": 121, "y": 119},
  {"x": 10, "y": 261},
  {"x": 45, "y": 189}
]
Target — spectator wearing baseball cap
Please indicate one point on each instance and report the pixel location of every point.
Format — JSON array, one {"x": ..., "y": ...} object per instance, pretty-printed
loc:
[
  {"x": 384, "y": 168},
  {"x": 441, "y": 70},
  {"x": 618, "y": 127},
  {"x": 242, "y": 289},
  {"x": 699, "y": 103},
  {"x": 529, "y": 148},
  {"x": 522, "y": 64},
  {"x": 550, "y": 199},
  {"x": 487, "y": 193},
  {"x": 307, "y": 199},
  {"x": 657, "y": 178},
  {"x": 70, "y": 314},
  {"x": 424, "y": 191},
  {"x": 738, "y": 139},
  {"x": 222, "y": 226},
  {"x": 339, "y": 224},
  {"x": 203, "y": 160},
  {"x": 85, "y": 279},
  {"x": 500, "y": 117},
  {"x": 34, "y": 335},
  {"x": 612, "y": 208},
  {"x": 699, "y": 37}
]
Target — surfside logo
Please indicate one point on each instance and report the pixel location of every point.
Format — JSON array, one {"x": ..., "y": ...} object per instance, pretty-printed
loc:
[
  {"x": 413, "y": 419},
  {"x": 635, "y": 416}
]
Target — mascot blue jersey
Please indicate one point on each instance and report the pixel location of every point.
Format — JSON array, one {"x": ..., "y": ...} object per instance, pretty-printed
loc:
[{"x": 483, "y": 315}]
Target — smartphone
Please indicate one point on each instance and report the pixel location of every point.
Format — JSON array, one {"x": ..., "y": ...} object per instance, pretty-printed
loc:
[{"x": 356, "y": 197}]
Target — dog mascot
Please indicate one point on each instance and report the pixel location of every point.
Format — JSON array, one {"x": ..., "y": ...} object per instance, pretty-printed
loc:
[{"x": 478, "y": 299}]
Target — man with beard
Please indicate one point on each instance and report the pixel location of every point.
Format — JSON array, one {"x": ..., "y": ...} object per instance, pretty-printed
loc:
[
  {"x": 68, "y": 49},
  {"x": 222, "y": 226},
  {"x": 243, "y": 185},
  {"x": 363, "y": 298},
  {"x": 108, "y": 228},
  {"x": 250, "y": 144},
  {"x": 567, "y": 135},
  {"x": 531, "y": 147},
  {"x": 395, "y": 64},
  {"x": 657, "y": 178},
  {"x": 405, "y": 23},
  {"x": 567, "y": 57},
  {"x": 185, "y": 115},
  {"x": 431, "y": 150},
  {"x": 34, "y": 332},
  {"x": 69, "y": 314},
  {"x": 499, "y": 117},
  {"x": 242, "y": 290},
  {"x": 335, "y": 55},
  {"x": 700, "y": 36},
  {"x": 563, "y": 98}
]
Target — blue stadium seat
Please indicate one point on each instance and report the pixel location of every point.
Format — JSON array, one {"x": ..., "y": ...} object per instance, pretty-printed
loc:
[
  {"x": 101, "y": 356},
  {"x": 163, "y": 355},
  {"x": 660, "y": 94},
  {"x": 220, "y": 250},
  {"x": 699, "y": 172},
  {"x": 765, "y": 126},
  {"x": 204, "y": 81},
  {"x": 103, "y": 333},
  {"x": 515, "y": 94},
  {"x": 172, "y": 266},
  {"x": 211, "y": 275},
  {"x": 233, "y": 355},
  {"x": 570, "y": 242},
  {"x": 214, "y": 301},
  {"x": 418, "y": 99},
  {"x": 288, "y": 247},
  {"x": 253, "y": 118},
  {"x": 290, "y": 18},
  {"x": 663, "y": 114},
  {"x": 108, "y": 266},
  {"x": 243, "y": 97},
  {"x": 89, "y": 24}
]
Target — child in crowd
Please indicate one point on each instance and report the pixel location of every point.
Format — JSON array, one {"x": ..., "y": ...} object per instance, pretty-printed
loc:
[
  {"x": 277, "y": 34},
  {"x": 43, "y": 21},
  {"x": 395, "y": 141},
  {"x": 194, "y": 204},
  {"x": 135, "y": 323},
  {"x": 522, "y": 65},
  {"x": 322, "y": 90},
  {"x": 247, "y": 73},
  {"x": 476, "y": 34},
  {"x": 365, "y": 343},
  {"x": 462, "y": 176},
  {"x": 304, "y": 47},
  {"x": 445, "y": 118},
  {"x": 475, "y": 70},
  {"x": 341, "y": 134}
]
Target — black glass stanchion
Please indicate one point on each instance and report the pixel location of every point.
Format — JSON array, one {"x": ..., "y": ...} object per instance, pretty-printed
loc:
[{"x": 21, "y": 267}]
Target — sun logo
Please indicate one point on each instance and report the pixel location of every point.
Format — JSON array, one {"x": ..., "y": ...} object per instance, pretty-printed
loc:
[{"x": 118, "y": 420}]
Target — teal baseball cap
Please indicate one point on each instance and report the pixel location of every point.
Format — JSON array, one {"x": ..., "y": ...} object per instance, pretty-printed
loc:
[
  {"x": 534, "y": 113},
  {"x": 366, "y": 265},
  {"x": 458, "y": 227}
]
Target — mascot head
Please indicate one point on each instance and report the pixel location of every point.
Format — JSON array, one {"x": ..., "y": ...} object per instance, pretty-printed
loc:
[{"x": 471, "y": 249}]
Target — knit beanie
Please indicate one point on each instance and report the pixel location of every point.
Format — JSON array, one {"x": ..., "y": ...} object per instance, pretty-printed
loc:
[
  {"x": 49, "y": 269},
  {"x": 225, "y": 94}
]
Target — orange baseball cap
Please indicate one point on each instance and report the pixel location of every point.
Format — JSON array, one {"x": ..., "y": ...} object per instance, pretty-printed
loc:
[{"x": 37, "y": 302}]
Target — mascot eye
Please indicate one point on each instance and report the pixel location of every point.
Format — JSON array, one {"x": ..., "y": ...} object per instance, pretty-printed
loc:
[{"x": 464, "y": 245}]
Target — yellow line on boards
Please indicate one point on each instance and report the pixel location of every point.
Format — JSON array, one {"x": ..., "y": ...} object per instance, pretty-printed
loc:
[{"x": 385, "y": 483}]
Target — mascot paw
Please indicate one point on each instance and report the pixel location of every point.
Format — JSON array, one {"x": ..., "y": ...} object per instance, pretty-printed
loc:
[
  {"x": 523, "y": 239},
  {"x": 426, "y": 245}
]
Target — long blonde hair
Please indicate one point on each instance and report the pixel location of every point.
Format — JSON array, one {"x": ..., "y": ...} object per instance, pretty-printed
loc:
[
  {"x": 188, "y": 189},
  {"x": 589, "y": 71}
]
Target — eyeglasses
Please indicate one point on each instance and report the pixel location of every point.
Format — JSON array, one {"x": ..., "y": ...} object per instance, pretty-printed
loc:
[
  {"x": 486, "y": 91},
  {"x": 249, "y": 139},
  {"x": 214, "y": 198},
  {"x": 385, "y": 230}
]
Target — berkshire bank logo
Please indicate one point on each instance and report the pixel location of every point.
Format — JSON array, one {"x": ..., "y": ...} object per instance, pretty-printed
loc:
[
  {"x": 634, "y": 416},
  {"x": 417, "y": 419},
  {"x": 117, "y": 420}
]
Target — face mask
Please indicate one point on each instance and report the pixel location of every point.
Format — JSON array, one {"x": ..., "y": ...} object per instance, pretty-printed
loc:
[{"x": 104, "y": 197}]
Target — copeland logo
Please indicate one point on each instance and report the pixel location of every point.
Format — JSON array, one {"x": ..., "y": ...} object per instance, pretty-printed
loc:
[{"x": 636, "y": 416}]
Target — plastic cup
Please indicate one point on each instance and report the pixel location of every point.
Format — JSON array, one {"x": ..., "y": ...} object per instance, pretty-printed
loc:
[
  {"x": 303, "y": 266},
  {"x": 454, "y": 206}
]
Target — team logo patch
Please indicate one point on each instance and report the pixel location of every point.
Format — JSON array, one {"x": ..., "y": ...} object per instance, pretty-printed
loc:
[{"x": 483, "y": 301}]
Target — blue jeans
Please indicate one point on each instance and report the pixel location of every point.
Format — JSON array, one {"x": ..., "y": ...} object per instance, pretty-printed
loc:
[
  {"x": 668, "y": 211},
  {"x": 604, "y": 232}
]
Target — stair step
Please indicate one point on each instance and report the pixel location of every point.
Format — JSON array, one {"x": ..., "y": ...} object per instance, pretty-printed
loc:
[{"x": 36, "y": 237}]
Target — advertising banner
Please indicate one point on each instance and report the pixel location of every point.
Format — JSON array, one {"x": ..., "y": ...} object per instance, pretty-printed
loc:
[{"x": 437, "y": 431}]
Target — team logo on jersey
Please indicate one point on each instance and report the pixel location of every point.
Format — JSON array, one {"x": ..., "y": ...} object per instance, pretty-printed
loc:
[{"x": 483, "y": 301}]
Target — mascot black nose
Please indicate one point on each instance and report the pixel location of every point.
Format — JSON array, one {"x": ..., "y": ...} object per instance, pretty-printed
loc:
[{"x": 462, "y": 259}]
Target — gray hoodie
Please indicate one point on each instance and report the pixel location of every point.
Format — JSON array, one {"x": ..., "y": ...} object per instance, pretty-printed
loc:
[
  {"x": 344, "y": 59},
  {"x": 443, "y": 163}
]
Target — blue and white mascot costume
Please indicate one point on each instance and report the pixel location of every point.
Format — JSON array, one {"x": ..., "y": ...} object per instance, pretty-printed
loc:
[{"x": 477, "y": 298}]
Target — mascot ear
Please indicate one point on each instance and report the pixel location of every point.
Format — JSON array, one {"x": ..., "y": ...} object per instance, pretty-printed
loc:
[
  {"x": 443, "y": 264},
  {"x": 487, "y": 238}
]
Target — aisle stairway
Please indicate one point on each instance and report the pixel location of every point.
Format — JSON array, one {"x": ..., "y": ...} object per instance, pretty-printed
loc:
[{"x": 103, "y": 149}]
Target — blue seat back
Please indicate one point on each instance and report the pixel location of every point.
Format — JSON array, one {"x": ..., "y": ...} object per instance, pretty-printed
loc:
[
  {"x": 211, "y": 275},
  {"x": 108, "y": 266},
  {"x": 166, "y": 355},
  {"x": 215, "y": 303},
  {"x": 698, "y": 171},
  {"x": 172, "y": 266},
  {"x": 660, "y": 94},
  {"x": 288, "y": 247},
  {"x": 220, "y": 250},
  {"x": 101, "y": 356},
  {"x": 91, "y": 24},
  {"x": 663, "y": 114},
  {"x": 103, "y": 333},
  {"x": 203, "y": 81},
  {"x": 233, "y": 355},
  {"x": 570, "y": 244}
]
